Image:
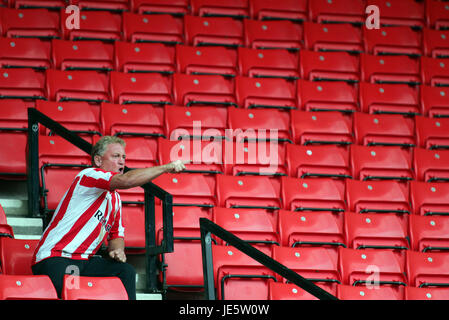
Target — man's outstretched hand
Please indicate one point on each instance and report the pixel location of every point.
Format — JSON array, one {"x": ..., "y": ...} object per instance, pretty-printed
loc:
[{"x": 177, "y": 166}]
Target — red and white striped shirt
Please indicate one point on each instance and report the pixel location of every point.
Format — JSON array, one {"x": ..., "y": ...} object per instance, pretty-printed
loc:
[{"x": 86, "y": 214}]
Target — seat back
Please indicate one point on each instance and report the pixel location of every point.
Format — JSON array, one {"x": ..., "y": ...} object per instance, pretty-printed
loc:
[
  {"x": 16, "y": 255},
  {"x": 26, "y": 287},
  {"x": 93, "y": 288}
]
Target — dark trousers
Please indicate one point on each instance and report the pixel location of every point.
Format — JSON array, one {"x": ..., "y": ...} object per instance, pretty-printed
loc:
[{"x": 57, "y": 267}]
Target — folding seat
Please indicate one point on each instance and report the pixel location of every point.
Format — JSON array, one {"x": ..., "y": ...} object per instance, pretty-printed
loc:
[
  {"x": 318, "y": 161},
  {"x": 79, "y": 117},
  {"x": 237, "y": 9},
  {"x": 82, "y": 55},
  {"x": 309, "y": 127},
  {"x": 340, "y": 11},
  {"x": 376, "y": 231},
  {"x": 431, "y": 165},
  {"x": 142, "y": 88},
  {"x": 435, "y": 43},
  {"x": 144, "y": 57},
  {"x": 384, "y": 130},
  {"x": 392, "y": 40},
  {"x": 429, "y": 198},
  {"x": 434, "y": 71},
  {"x": 288, "y": 291},
  {"x": 24, "y": 83},
  {"x": 432, "y": 133},
  {"x": 293, "y": 10},
  {"x": 265, "y": 93},
  {"x": 254, "y": 124},
  {"x": 427, "y": 269},
  {"x": 5, "y": 229},
  {"x": 213, "y": 31},
  {"x": 26, "y": 287},
  {"x": 206, "y": 60},
  {"x": 328, "y": 66},
  {"x": 324, "y": 194},
  {"x": 90, "y": 86},
  {"x": 436, "y": 15},
  {"x": 159, "y": 28},
  {"x": 13, "y": 133},
  {"x": 434, "y": 101},
  {"x": 389, "y": 69},
  {"x": 238, "y": 276},
  {"x": 429, "y": 233},
  {"x": 272, "y": 34},
  {"x": 115, "y": 6},
  {"x": 94, "y": 25},
  {"x": 274, "y": 63},
  {"x": 377, "y": 197},
  {"x": 428, "y": 293},
  {"x": 381, "y": 163},
  {"x": 311, "y": 229},
  {"x": 175, "y": 7},
  {"x": 316, "y": 264},
  {"x": 407, "y": 13},
  {"x": 25, "y": 52},
  {"x": 30, "y": 23},
  {"x": 28, "y": 4},
  {"x": 16, "y": 255},
  {"x": 212, "y": 90},
  {"x": 322, "y": 37},
  {"x": 388, "y": 98},
  {"x": 93, "y": 288},
  {"x": 347, "y": 292},
  {"x": 256, "y": 228},
  {"x": 205, "y": 157},
  {"x": 248, "y": 192},
  {"x": 196, "y": 122},
  {"x": 326, "y": 96},
  {"x": 371, "y": 268}
]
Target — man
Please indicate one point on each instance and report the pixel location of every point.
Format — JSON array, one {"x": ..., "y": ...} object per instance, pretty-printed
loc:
[{"x": 89, "y": 212}]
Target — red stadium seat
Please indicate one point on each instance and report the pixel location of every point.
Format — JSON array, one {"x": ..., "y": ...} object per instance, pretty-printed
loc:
[
  {"x": 115, "y": 6},
  {"x": 174, "y": 7},
  {"x": 371, "y": 268},
  {"x": 272, "y": 34},
  {"x": 90, "y": 86},
  {"x": 383, "y": 130},
  {"x": 434, "y": 101},
  {"x": 322, "y": 37},
  {"x": 414, "y": 293},
  {"x": 213, "y": 31},
  {"x": 209, "y": 90},
  {"x": 436, "y": 14},
  {"x": 320, "y": 161},
  {"x": 432, "y": 133},
  {"x": 311, "y": 229},
  {"x": 349, "y": 11},
  {"x": 237, "y": 9},
  {"x": 159, "y": 28},
  {"x": 243, "y": 192},
  {"x": 93, "y": 288},
  {"x": 274, "y": 63},
  {"x": 388, "y": 98},
  {"x": 435, "y": 43},
  {"x": 326, "y": 96},
  {"x": 389, "y": 69},
  {"x": 347, "y": 292},
  {"x": 85, "y": 55},
  {"x": 141, "y": 88},
  {"x": 328, "y": 66},
  {"x": 24, "y": 83},
  {"x": 206, "y": 60},
  {"x": 407, "y": 13},
  {"x": 24, "y": 52},
  {"x": 427, "y": 269},
  {"x": 144, "y": 57},
  {"x": 434, "y": 71},
  {"x": 29, "y": 23},
  {"x": 392, "y": 40},
  {"x": 293, "y": 10},
  {"x": 377, "y": 197},
  {"x": 429, "y": 233},
  {"x": 323, "y": 194},
  {"x": 265, "y": 93},
  {"x": 5, "y": 229},
  {"x": 288, "y": 291},
  {"x": 16, "y": 255},
  {"x": 431, "y": 165},
  {"x": 26, "y": 287},
  {"x": 27, "y": 4},
  {"x": 94, "y": 25},
  {"x": 331, "y": 127},
  {"x": 429, "y": 198},
  {"x": 381, "y": 163},
  {"x": 141, "y": 152}
]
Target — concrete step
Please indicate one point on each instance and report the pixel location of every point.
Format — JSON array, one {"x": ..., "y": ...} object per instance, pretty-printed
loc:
[{"x": 25, "y": 227}]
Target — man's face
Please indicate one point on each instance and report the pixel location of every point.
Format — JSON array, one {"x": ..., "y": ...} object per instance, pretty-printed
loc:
[{"x": 113, "y": 159}]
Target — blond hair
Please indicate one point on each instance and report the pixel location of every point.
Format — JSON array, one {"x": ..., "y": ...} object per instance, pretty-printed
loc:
[{"x": 100, "y": 147}]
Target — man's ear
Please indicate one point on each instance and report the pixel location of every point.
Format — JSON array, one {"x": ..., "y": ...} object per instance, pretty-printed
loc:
[{"x": 97, "y": 160}]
